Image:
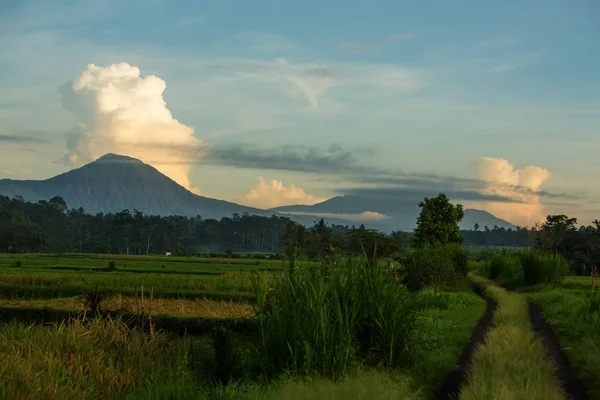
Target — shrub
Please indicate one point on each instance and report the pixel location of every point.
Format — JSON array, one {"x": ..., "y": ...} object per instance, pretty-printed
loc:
[
  {"x": 542, "y": 267},
  {"x": 112, "y": 265},
  {"x": 429, "y": 267},
  {"x": 460, "y": 259},
  {"x": 505, "y": 266},
  {"x": 327, "y": 320},
  {"x": 18, "y": 264}
]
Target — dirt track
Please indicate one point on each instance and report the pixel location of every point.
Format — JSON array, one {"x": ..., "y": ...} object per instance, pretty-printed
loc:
[
  {"x": 451, "y": 385},
  {"x": 574, "y": 388}
]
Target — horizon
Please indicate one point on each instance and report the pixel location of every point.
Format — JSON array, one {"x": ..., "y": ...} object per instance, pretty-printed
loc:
[{"x": 253, "y": 107}]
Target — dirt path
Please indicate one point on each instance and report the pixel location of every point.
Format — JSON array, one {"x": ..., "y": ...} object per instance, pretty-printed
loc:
[
  {"x": 451, "y": 385},
  {"x": 574, "y": 388}
]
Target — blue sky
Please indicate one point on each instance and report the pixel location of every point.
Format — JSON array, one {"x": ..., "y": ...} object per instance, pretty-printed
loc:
[{"x": 411, "y": 88}]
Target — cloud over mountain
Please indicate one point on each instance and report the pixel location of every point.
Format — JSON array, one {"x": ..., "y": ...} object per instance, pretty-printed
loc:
[
  {"x": 275, "y": 193},
  {"x": 120, "y": 111}
]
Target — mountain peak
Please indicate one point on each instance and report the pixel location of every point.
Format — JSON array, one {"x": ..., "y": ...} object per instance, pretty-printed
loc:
[{"x": 112, "y": 157}]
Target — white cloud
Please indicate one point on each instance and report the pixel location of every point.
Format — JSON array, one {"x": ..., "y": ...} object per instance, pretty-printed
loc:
[
  {"x": 121, "y": 112},
  {"x": 274, "y": 194},
  {"x": 365, "y": 216},
  {"x": 522, "y": 185}
]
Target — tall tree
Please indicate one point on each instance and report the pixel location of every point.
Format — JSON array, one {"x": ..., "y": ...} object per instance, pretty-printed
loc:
[{"x": 437, "y": 223}]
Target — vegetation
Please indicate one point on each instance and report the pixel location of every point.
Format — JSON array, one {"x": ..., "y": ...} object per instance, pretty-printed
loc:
[
  {"x": 573, "y": 311},
  {"x": 512, "y": 361},
  {"x": 318, "y": 311},
  {"x": 434, "y": 266},
  {"x": 437, "y": 224},
  {"x": 527, "y": 267},
  {"x": 325, "y": 321},
  {"x": 50, "y": 226}
]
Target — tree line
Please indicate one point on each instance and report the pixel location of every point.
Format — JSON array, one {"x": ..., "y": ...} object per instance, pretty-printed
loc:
[{"x": 51, "y": 226}]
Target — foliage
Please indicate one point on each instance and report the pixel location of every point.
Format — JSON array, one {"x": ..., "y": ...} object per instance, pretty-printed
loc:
[
  {"x": 437, "y": 223},
  {"x": 327, "y": 321},
  {"x": 460, "y": 259},
  {"x": 542, "y": 267},
  {"x": 434, "y": 266}
]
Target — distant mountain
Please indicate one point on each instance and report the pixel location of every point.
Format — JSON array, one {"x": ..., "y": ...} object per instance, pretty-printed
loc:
[
  {"x": 402, "y": 213},
  {"x": 113, "y": 183}
]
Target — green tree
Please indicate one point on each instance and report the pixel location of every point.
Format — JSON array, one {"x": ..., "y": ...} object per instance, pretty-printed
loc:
[{"x": 437, "y": 224}]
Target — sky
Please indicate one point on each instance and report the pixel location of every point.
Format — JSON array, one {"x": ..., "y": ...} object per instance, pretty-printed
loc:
[{"x": 271, "y": 103}]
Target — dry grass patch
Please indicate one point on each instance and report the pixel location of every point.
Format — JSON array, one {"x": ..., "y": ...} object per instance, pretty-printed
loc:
[{"x": 189, "y": 308}]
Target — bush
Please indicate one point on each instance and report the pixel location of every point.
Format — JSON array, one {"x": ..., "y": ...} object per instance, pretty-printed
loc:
[
  {"x": 505, "y": 266},
  {"x": 430, "y": 267},
  {"x": 460, "y": 259},
  {"x": 542, "y": 267},
  {"x": 112, "y": 265},
  {"x": 328, "y": 320},
  {"x": 18, "y": 264}
]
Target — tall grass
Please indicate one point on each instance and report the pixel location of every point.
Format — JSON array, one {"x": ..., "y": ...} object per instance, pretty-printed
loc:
[
  {"x": 526, "y": 267},
  {"x": 542, "y": 267},
  {"x": 98, "y": 359},
  {"x": 504, "y": 266},
  {"x": 327, "y": 321}
]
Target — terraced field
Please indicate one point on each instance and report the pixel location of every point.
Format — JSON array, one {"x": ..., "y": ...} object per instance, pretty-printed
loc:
[{"x": 187, "y": 328}]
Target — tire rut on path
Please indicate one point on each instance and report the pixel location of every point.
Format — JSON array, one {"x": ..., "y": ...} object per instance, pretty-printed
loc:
[
  {"x": 574, "y": 388},
  {"x": 455, "y": 379}
]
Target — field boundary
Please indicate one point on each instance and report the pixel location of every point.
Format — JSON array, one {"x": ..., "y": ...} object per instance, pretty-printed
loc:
[
  {"x": 455, "y": 379},
  {"x": 192, "y": 326},
  {"x": 575, "y": 388}
]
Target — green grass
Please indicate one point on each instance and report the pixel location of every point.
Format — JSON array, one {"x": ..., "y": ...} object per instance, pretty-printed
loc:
[
  {"x": 511, "y": 364},
  {"x": 135, "y": 263},
  {"x": 71, "y": 283},
  {"x": 444, "y": 325},
  {"x": 573, "y": 312},
  {"x": 80, "y": 361},
  {"x": 354, "y": 324}
]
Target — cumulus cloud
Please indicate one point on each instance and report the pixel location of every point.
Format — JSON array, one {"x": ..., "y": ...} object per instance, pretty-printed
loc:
[
  {"x": 365, "y": 216},
  {"x": 119, "y": 111},
  {"x": 501, "y": 178},
  {"x": 274, "y": 194}
]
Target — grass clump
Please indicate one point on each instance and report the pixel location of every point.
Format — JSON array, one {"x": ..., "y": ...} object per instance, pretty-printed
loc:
[{"x": 327, "y": 321}]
